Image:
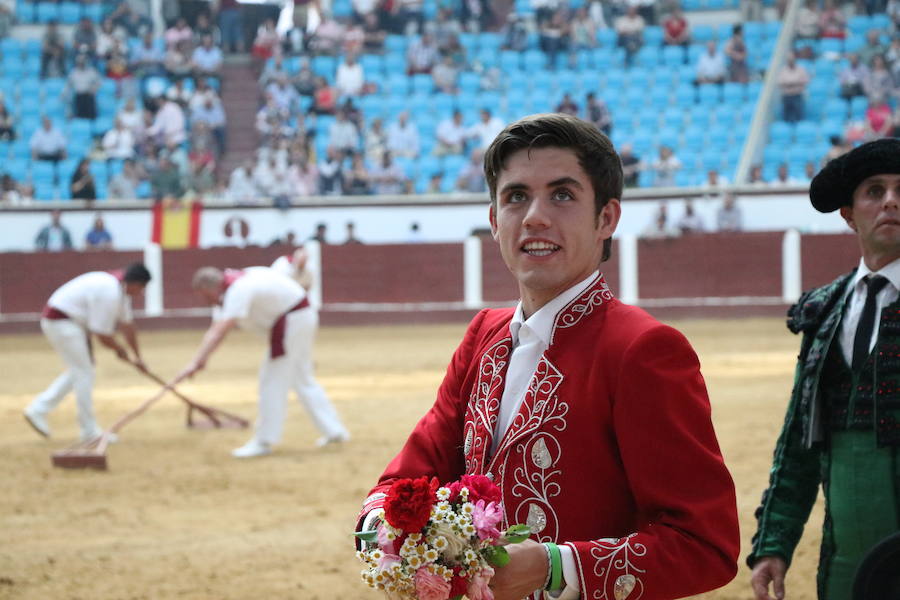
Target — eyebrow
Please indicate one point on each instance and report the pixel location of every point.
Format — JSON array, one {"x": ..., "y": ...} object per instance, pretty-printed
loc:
[
  {"x": 882, "y": 179},
  {"x": 516, "y": 186}
]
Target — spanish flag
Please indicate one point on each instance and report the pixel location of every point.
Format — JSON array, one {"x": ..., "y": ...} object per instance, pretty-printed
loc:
[{"x": 176, "y": 225}]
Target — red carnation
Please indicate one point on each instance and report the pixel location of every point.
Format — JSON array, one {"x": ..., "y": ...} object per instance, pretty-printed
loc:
[
  {"x": 458, "y": 584},
  {"x": 408, "y": 503},
  {"x": 480, "y": 488}
]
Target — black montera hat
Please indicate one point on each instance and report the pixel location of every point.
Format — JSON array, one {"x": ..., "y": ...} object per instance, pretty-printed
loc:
[
  {"x": 877, "y": 575},
  {"x": 834, "y": 185}
]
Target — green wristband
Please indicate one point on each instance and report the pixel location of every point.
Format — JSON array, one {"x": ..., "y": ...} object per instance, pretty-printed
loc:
[{"x": 555, "y": 567}]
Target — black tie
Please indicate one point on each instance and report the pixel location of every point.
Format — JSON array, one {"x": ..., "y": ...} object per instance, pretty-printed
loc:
[{"x": 874, "y": 284}]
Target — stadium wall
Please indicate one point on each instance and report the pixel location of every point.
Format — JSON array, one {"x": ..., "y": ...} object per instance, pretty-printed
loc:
[{"x": 740, "y": 274}]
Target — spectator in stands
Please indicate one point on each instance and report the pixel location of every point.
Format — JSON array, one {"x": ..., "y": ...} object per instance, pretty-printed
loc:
[
  {"x": 206, "y": 59},
  {"x": 832, "y": 22},
  {"x": 596, "y": 112},
  {"x": 403, "y": 137},
  {"x": 435, "y": 183},
  {"x": 567, "y": 105},
  {"x": 659, "y": 227},
  {"x": 373, "y": 34},
  {"x": 211, "y": 114},
  {"x": 328, "y": 37},
  {"x": 487, "y": 128},
  {"x": 351, "y": 238},
  {"x": 375, "y": 142},
  {"x": 285, "y": 96},
  {"x": 714, "y": 180},
  {"x": 53, "y": 52},
  {"x": 892, "y": 57},
  {"x": 178, "y": 61},
  {"x": 879, "y": 83},
  {"x": 324, "y": 98},
  {"x": 117, "y": 69},
  {"x": 852, "y": 77},
  {"x": 147, "y": 59},
  {"x": 83, "y": 82},
  {"x": 515, "y": 33},
  {"x": 274, "y": 68},
  {"x": 320, "y": 234},
  {"x": 55, "y": 236},
  {"x": 48, "y": 142},
  {"x": 166, "y": 180},
  {"x": 7, "y": 124},
  {"x": 809, "y": 171},
  {"x": 583, "y": 31},
  {"x": 358, "y": 179},
  {"x": 807, "y": 24},
  {"x": 364, "y": 8},
  {"x": 879, "y": 120},
  {"x": 124, "y": 184},
  {"x": 168, "y": 124},
  {"x": 178, "y": 155},
  {"x": 783, "y": 176},
  {"x": 108, "y": 39},
  {"x": 265, "y": 44},
  {"x": 471, "y": 177},
  {"x": 231, "y": 25},
  {"x": 353, "y": 39},
  {"x": 554, "y": 36},
  {"x": 350, "y": 77},
  {"x": 98, "y": 238},
  {"x": 133, "y": 23},
  {"x": 665, "y": 167},
  {"x": 178, "y": 92},
  {"x": 9, "y": 191},
  {"x": 729, "y": 217},
  {"x": 343, "y": 135},
  {"x": 118, "y": 142},
  {"x": 241, "y": 189},
  {"x": 201, "y": 169},
  {"x": 7, "y": 17},
  {"x": 736, "y": 52},
  {"x": 422, "y": 55},
  {"x": 711, "y": 66},
  {"x": 179, "y": 32},
  {"x": 304, "y": 176},
  {"x": 445, "y": 75},
  {"x": 131, "y": 117},
  {"x": 84, "y": 38},
  {"x": 331, "y": 172},
  {"x": 793, "y": 80},
  {"x": 630, "y": 31},
  {"x": 203, "y": 27},
  {"x": 450, "y": 135},
  {"x": 631, "y": 165},
  {"x": 446, "y": 28},
  {"x": 676, "y": 29},
  {"x": 387, "y": 176},
  {"x": 410, "y": 16},
  {"x": 838, "y": 147},
  {"x": 893, "y": 11},
  {"x": 690, "y": 221},
  {"x": 305, "y": 80}
]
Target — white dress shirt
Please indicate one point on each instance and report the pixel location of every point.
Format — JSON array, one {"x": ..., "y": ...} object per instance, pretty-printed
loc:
[
  {"x": 887, "y": 295},
  {"x": 530, "y": 339}
]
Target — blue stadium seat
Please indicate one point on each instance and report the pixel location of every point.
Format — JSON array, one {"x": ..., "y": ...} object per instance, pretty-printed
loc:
[
  {"x": 25, "y": 11},
  {"x": 342, "y": 9},
  {"x": 46, "y": 191},
  {"x": 533, "y": 60},
  {"x": 509, "y": 61},
  {"x": 858, "y": 107},
  {"x": 781, "y": 133},
  {"x": 488, "y": 58},
  {"x": 806, "y": 133},
  {"x": 324, "y": 66},
  {"x": 93, "y": 11},
  {"x": 398, "y": 84},
  {"x": 69, "y": 12},
  {"x": 673, "y": 56},
  {"x": 422, "y": 83},
  {"x": 443, "y": 105},
  {"x": 647, "y": 57},
  {"x": 568, "y": 81},
  {"x": 46, "y": 12},
  {"x": 732, "y": 93},
  {"x": 639, "y": 77},
  {"x": 65, "y": 168},
  {"x": 52, "y": 87},
  {"x": 394, "y": 63},
  {"x": 490, "y": 41},
  {"x": 858, "y": 25},
  {"x": 700, "y": 34},
  {"x": 395, "y": 43},
  {"x": 371, "y": 64},
  {"x": 10, "y": 47},
  {"x": 17, "y": 168},
  {"x": 43, "y": 171},
  {"x": 606, "y": 37},
  {"x": 80, "y": 128},
  {"x": 753, "y": 31},
  {"x": 13, "y": 67},
  {"x": 684, "y": 95},
  {"x": 469, "y": 82},
  {"x": 772, "y": 29},
  {"x": 653, "y": 36}
]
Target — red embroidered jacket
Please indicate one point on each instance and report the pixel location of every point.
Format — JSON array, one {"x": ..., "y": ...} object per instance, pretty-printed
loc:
[{"x": 612, "y": 452}]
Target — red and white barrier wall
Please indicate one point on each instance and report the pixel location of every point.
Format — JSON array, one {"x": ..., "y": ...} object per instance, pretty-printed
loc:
[{"x": 739, "y": 274}]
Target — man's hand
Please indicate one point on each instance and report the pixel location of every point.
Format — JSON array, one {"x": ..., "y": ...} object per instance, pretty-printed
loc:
[
  {"x": 768, "y": 569},
  {"x": 139, "y": 363},
  {"x": 525, "y": 573},
  {"x": 189, "y": 371},
  {"x": 122, "y": 353}
]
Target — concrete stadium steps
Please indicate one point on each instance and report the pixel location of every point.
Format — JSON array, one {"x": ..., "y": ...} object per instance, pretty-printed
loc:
[{"x": 240, "y": 99}]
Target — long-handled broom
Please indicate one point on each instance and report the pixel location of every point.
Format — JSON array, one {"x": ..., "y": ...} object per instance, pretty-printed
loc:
[
  {"x": 213, "y": 418},
  {"x": 92, "y": 453}
]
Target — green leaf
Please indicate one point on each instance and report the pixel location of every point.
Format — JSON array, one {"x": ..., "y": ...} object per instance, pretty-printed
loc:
[
  {"x": 367, "y": 536},
  {"x": 516, "y": 534},
  {"x": 456, "y": 597},
  {"x": 497, "y": 556}
]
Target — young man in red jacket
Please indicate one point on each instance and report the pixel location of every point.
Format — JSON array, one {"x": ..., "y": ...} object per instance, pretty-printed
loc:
[{"x": 591, "y": 416}]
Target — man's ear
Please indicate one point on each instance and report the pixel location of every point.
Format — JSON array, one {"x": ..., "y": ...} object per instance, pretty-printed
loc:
[
  {"x": 847, "y": 214},
  {"x": 492, "y": 217},
  {"x": 608, "y": 219}
]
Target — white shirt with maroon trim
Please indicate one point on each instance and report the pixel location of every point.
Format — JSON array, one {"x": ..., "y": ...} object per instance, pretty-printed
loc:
[
  {"x": 95, "y": 300},
  {"x": 258, "y": 298}
]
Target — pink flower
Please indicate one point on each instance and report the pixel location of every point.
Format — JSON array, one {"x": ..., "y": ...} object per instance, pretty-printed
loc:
[
  {"x": 386, "y": 545},
  {"x": 479, "y": 487},
  {"x": 485, "y": 517},
  {"x": 386, "y": 562},
  {"x": 478, "y": 586},
  {"x": 430, "y": 586}
]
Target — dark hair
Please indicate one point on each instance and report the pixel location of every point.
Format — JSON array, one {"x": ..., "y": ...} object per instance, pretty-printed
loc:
[
  {"x": 137, "y": 273},
  {"x": 594, "y": 151}
]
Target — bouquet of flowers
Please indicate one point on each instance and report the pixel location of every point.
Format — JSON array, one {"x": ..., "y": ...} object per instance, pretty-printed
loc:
[{"x": 438, "y": 542}]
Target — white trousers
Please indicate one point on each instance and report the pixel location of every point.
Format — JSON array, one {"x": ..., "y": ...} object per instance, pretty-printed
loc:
[
  {"x": 70, "y": 340},
  {"x": 294, "y": 370}
]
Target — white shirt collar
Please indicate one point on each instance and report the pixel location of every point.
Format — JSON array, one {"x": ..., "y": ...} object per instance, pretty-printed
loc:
[
  {"x": 541, "y": 322},
  {"x": 891, "y": 272}
]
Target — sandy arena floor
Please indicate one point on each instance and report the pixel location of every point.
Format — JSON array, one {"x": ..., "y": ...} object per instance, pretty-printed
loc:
[{"x": 177, "y": 517}]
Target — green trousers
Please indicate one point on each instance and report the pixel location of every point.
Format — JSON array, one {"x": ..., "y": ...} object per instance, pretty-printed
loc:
[{"x": 861, "y": 503}]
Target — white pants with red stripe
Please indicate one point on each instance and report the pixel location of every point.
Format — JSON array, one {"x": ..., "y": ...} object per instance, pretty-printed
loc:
[
  {"x": 70, "y": 340},
  {"x": 294, "y": 370}
]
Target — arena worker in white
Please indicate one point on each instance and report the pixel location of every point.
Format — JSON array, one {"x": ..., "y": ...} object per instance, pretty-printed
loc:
[
  {"x": 262, "y": 300},
  {"x": 295, "y": 266},
  {"x": 97, "y": 303}
]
